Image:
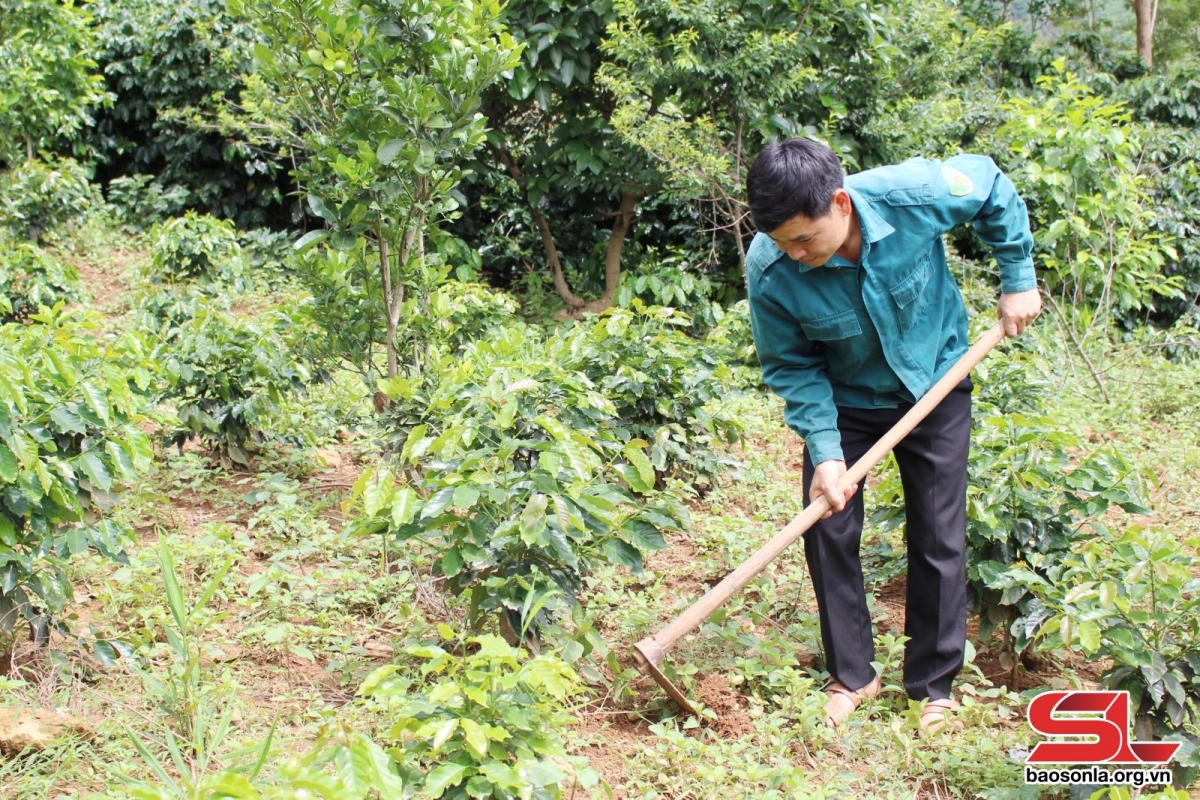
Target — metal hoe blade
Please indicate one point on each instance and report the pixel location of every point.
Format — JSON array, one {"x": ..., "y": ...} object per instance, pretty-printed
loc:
[{"x": 646, "y": 665}]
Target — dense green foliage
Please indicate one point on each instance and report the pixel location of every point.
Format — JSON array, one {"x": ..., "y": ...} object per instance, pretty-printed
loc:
[
  {"x": 200, "y": 248},
  {"x": 515, "y": 466},
  {"x": 167, "y": 65},
  {"x": 68, "y": 444},
  {"x": 227, "y": 376},
  {"x": 498, "y": 377},
  {"x": 31, "y": 279},
  {"x": 42, "y": 198},
  {"x": 49, "y": 90}
]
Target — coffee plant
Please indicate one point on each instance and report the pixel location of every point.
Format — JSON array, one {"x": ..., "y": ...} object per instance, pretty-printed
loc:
[
  {"x": 1133, "y": 599},
  {"x": 197, "y": 247},
  {"x": 660, "y": 382},
  {"x": 513, "y": 465},
  {"x": 486, "y": 725},
  {"x": 38, "y": 198},
  {"x": 69, "y": 442},
  {"x": 227, "y": 376},
  {"x": 32, "y": 278}
]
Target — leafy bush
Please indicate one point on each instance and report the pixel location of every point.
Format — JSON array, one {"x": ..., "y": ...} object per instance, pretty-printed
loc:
[
  {"x": 166, "y": 65},
  {"x": 660, "y": 381},
  {"x": 49, "y": 87},
  {"x": 227, "y": 376},
  {"x": 1135, "y": 600},
  {"x": 136, "y": 202},
  {"x": 1172, "y": 98},
  {"x": 197, "y": 247},
  {"x": 670, "y": 280},
  {"x": 513, "y": 467},
  {"x": 1030, "y": 496},
  {"x": 732, "y": 343},
  {"x": 69, "y": 403},
  {"x": 1173, "y": 155},
  {"x": 458, "y": 313},
  {"x": 31, "y": 278},
  {"x": 487, "y": 726},
  {"x": 37, "y": 198},
  {"x": 1077, "y": 163}
]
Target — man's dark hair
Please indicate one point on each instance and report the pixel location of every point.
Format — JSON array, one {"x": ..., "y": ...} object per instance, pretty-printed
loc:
[{"x": 795, "y": 176}]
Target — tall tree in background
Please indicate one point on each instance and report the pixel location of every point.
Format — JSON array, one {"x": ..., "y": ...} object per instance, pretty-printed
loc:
[
  {"x": 551, "y": 134},
  {"x": 701, "y": 86},
  {"x": 1146, "y": 12}
]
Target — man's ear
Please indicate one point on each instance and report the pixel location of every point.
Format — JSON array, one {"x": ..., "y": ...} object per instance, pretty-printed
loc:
[{"x": 842, "y": 201}]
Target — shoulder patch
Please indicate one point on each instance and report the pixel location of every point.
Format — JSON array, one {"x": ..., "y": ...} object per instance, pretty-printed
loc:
[{"x": 960, "y": 184}]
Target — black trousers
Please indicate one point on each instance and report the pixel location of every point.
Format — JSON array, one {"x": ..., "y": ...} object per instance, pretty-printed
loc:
[{"x": 933, "y": 471}]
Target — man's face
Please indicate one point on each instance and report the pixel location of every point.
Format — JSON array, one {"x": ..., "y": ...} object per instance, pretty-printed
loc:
[{"x": 814, "y": 241}]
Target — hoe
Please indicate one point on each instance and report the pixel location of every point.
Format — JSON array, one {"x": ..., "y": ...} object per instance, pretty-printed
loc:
[{"x": 649, "y": 652}]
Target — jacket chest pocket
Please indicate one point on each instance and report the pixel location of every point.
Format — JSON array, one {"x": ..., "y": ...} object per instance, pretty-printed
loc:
[
  {"x": 909, "y": 293},
  {"x": 833, "y": 327}
]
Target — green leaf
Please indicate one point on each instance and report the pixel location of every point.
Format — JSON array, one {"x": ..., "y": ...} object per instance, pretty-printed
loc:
[
  {"x": 438, "y": 503},
  {"x": 443, "y": 734},
  {"x": 96, "y": 401},
  {"x": 1089, "y": 637},
  {"x": 68, "y": 421},
  {"x": 465, "y": 496},
  {"x": 474, "y": 737},
  {"x": 452, "y": 562},
  {"x": 442, "y": 778},
  {"x": 8, "y": 464},
  {"x": 93, "y": 466},
  {"x": 621, "y": 552},
  {"x": 389, "y": 150},
  {"x": 310, "y": 238},
  {"x": 404, "y": 506}
]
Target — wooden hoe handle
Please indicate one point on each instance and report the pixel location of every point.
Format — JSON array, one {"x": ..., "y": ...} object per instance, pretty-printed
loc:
[{"x": 649, "y": 652}]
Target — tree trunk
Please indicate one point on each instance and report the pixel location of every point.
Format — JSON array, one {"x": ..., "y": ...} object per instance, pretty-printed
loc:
[
  {"x": 393, "y": 296},
  {"x": 1145, "y": 11},
  {"x": 539, "y": 219},
  {"x": 612, "y": 256}
]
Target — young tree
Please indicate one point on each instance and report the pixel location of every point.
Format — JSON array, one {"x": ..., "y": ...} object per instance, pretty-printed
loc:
[{"x": 382, "y": 102}]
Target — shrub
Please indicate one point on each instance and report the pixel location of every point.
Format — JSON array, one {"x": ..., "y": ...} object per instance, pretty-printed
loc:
[
  {"x": 167, "y": 65},
  {"x": 227, "y": 376},
  {"x": 731, "y": 341},
  {"x": 31, "y": 278},
  {"x": 660, "y": 381},
  {"x": 512, "y": 466},
  {"x": 670, "y": 280},
  {"x": 1076, "y": 159},
  {"x": 1135, "y": 600},
  {"x": 49, "y": 87},
  {"x": 38, "y": 198},
  {"x": 487, "y": 725},
  {"x": 458, "y": 313},
  {"x": 197, "y": 247},
  {"x": 136, "y": 202},
  {"x": 1030, "y": 496},
  {"x": 69, "y": 403}
]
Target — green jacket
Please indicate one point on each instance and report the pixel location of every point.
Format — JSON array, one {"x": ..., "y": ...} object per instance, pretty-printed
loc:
[{"x": 881, "y": 332}]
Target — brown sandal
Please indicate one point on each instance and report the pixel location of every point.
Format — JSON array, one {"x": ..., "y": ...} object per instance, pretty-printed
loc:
[
  {"x": 836, "y": 710},
  {"x": 937, "y": 714}
]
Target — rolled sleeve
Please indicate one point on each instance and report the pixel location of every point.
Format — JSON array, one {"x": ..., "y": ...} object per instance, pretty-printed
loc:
[{"x": 794, "y": 369}]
